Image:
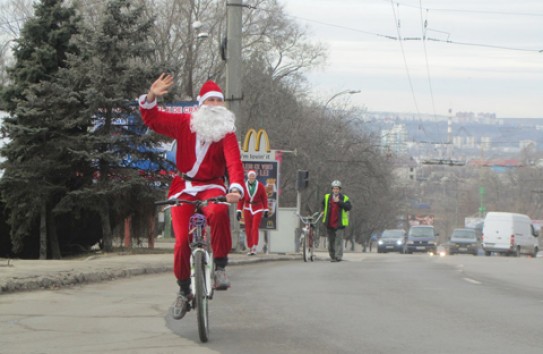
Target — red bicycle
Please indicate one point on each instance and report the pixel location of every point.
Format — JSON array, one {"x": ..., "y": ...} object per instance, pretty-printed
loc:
[{"x": 309, "y": 236}]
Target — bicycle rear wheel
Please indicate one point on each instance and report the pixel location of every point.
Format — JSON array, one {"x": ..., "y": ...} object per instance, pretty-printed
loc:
[
  {"x": 201, "y": 295},
  {"x": 305, "y": 250}
]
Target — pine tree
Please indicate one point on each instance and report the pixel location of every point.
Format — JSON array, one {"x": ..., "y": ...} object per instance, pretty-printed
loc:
[
  {"x": 114, "y": 67},
  {"x": 36, "y": 170}
]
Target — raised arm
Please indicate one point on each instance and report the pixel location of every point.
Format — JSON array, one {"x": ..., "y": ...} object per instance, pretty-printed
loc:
[{"x": 160, "y": 87}]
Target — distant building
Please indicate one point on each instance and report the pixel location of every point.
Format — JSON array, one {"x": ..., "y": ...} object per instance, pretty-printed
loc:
[
  {"x": 527, "y": 144},
  {"x": 394, "y": 139},
  {"x": 405, "y": 169},
  {"x": 486, "y": 142}
]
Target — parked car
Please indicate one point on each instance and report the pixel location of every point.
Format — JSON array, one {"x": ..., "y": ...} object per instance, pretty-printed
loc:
[
  {"x": 463, "y": 241},
  {"x": 391, "y": 240},
  {"x": 421, "y": 238},
  {"x": 509, "y": 233}
]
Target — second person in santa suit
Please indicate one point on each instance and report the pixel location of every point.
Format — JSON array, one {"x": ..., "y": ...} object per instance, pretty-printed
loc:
[{"x": 254, "y": 206}]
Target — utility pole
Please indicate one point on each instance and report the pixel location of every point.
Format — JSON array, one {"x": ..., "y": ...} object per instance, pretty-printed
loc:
[
  {"x": 233, "y": 79},
  {"x": 449, "y": 135}
]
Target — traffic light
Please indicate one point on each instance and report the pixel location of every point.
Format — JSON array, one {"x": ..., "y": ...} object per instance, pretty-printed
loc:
[{"x": 303, "y": 180}]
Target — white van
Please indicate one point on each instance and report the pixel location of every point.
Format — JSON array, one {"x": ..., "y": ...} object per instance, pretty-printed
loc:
[{"x": 509, "y": 233}]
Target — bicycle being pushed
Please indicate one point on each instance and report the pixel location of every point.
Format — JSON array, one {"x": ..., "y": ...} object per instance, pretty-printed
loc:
[
  {"x": 201, "y": 261},
  {"x": 308, "y": 238}
]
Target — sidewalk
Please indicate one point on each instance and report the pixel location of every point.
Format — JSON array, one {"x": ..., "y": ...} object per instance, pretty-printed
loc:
[{"x": 23, "y": 275}]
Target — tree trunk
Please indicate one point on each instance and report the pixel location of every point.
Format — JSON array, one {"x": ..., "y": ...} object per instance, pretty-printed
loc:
[
  {"x": 128, "y": 232},
  {"x": 151, "y": 232},
  {"x": 43, "y": 231},
  {"x": 107, "y": 237},
  {"x": 53, "y": 237}
]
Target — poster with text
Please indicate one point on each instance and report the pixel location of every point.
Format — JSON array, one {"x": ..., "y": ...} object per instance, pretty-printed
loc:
[{"x": 267, "y": 173}]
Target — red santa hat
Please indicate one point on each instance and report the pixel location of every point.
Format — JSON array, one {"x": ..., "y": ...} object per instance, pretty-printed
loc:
[
  {"x": 209, "y": 89},
  {"x": 251, "y": 172}
]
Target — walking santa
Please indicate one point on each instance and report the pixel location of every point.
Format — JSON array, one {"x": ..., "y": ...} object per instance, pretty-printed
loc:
[{"x": 254, "y": 206}]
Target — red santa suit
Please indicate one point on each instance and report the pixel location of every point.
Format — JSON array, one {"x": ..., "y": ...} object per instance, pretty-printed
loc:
[
  {"x": 202, "y": 166},
  {"x": 254, "y": 205}
]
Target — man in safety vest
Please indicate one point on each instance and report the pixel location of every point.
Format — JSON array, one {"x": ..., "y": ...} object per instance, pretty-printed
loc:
[{"x": 336, "y": 217}]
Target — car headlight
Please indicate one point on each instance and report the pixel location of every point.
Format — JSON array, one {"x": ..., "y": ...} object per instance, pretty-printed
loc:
[
  {"x": 399, "y": 242},
  {"x": 380, "y": 242}
]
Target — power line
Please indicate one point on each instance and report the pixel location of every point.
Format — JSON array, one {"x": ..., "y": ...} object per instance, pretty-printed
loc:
[
  {"x": 397, "y": 38},
  {"x": 484, "y": 12},
  {"x": 405, "y": 59},
  {"x": 424, "y": 24}
]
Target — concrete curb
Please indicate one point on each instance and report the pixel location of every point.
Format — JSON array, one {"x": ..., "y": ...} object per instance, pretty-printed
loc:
[
  {"x": 28, "y": 275},
  {"x": 66, "y": 279}
]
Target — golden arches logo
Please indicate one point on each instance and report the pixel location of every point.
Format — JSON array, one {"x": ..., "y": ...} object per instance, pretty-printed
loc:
[{"x": 258, "y": 137}]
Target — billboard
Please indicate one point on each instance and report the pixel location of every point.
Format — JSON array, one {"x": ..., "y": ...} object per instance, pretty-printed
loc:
[
  {"x": 267, "y": 173},
  {"x": 257, "y": 155}
]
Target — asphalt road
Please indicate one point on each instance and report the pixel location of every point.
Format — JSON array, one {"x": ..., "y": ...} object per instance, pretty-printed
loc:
[{"x": 386, "y": 303}]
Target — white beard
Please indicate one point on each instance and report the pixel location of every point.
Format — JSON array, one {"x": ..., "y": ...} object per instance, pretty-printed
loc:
[{"x": 212, "y": 123}]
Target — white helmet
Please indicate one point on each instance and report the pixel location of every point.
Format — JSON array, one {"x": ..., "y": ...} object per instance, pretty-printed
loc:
[{"x": 336, "y": 183}]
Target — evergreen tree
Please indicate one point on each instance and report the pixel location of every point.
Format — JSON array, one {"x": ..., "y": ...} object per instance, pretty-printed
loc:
[
  {"x": 113, "y": 68},
  {"x": 36, "y": 169}
]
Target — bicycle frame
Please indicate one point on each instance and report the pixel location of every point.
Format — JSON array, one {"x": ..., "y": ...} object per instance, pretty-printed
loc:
[
  {"x": 202, "y": 267},
  {"x": 307, "y": 239}
]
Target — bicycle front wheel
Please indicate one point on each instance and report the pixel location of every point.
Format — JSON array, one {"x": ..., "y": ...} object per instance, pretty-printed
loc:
[
  {"x": 201, "y": 295},
  {"x": 311, "y": 244}
]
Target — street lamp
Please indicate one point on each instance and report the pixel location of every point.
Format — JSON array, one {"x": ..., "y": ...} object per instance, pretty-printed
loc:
[
  {"x": 196, "y": 36},
  {"x": 346, "y": 92}
]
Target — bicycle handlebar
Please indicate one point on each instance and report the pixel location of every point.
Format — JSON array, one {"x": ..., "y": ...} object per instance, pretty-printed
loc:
[
  {"x": 197, "y": 202},
  {"x": 312, "y": 219}
]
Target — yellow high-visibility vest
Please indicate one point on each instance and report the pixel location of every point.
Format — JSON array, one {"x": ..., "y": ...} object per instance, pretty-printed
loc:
[{"x": 344, "y": 214}]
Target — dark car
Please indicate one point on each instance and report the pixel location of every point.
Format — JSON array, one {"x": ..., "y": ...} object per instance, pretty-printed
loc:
[
  {"x": 391, "y": 240},
  {"x": 463, "y": 241},
  {"x": 421, "y": 238}
]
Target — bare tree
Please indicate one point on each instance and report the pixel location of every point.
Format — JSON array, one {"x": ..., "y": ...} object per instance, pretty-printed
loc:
[{"x": 13, "y": 16}]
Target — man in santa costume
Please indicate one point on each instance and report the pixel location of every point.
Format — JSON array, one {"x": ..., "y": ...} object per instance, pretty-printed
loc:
[
  {"x": 254, "y": 205},
  {"x": 207, "y": 148}
]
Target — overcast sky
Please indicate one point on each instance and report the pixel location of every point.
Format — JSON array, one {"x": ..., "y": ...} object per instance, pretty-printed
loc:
[{"x": 493, "y": 64}]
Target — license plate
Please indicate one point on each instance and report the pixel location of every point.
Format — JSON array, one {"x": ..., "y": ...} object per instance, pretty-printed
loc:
[
  {"x": 462, "y": 249},
  {"x": 421, "y": 247},
  {"x": 389, "y": 247}
]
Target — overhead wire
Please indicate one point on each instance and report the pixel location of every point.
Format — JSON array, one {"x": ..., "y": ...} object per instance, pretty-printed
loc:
[
  {"x": 424, "y": 25},
  {"x": 424, "y": 38},
  {"x": 397, "y": 25},
  {"x": 398, "y": 38},
  {"x": 484, "y": 12}
]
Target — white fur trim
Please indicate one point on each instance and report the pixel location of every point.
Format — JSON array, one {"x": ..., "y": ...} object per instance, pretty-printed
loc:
[
  {"x": 253, "y": 212},
  {"x": 144, "y": 104},
  {"x": 238, "y": 186},
  {"x": 193, "y": 190},
  {"x": 200, "y": 151},
  {"x": 202, "y": 99}
]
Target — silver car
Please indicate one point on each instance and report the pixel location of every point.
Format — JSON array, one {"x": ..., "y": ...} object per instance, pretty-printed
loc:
[{"x": 391, "y": 241}]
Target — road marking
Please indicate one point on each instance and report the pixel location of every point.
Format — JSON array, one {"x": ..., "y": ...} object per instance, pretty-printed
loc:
[{"x": 469, "y": 280}]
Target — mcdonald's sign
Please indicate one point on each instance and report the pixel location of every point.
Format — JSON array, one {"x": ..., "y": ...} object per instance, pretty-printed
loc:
[{"x": 261, "y": 133}]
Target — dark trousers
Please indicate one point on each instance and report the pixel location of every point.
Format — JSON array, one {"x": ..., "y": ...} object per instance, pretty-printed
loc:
[{"x": 335, "y": 243}]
